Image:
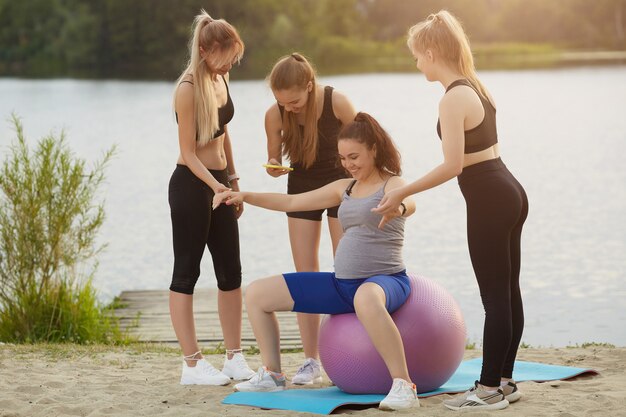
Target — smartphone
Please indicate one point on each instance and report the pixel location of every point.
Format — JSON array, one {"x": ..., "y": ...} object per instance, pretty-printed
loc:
[{"x": 278, "y": 167}]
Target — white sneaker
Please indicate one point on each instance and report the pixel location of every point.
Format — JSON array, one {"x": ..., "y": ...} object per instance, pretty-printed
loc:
[
  {"x": 309, "y": 373},
  {"x": 510, "y": 391},
  {"x": 401, "y": 396},
  {"x": 237, "y": 368},
  {"x": 477, "y": 398},
  {"x": 263, "y": 381},
  {"x": 202, "y": 374}
]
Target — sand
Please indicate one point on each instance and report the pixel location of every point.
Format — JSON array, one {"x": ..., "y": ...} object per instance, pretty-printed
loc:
[{"x": 53, "y": 380}]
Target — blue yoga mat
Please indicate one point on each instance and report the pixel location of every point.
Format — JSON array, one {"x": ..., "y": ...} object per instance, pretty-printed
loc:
[{"x": 326, "y": 400}]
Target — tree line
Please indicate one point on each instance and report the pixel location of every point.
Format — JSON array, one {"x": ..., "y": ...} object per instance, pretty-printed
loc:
[{"x": 146, "y": 39}]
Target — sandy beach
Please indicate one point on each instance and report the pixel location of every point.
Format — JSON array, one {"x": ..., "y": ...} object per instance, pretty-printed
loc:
[{"x": 142, "y": 380}]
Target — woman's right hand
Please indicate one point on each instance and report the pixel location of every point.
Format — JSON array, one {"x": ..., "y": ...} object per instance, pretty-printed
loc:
[{"x": 275, "y": 172}]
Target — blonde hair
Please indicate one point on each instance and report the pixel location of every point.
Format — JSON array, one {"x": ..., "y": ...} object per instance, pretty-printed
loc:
[
  {"x": 444, "y": 35},
  {"x": 212, "y": 36},
  {"x": 295, "y": 71}
]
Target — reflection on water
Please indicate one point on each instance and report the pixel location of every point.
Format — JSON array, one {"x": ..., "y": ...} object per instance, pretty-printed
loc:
[{"x": 562, "y": 133}]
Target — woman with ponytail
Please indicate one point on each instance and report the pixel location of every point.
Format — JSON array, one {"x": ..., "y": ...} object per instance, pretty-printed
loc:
[
  {"x": 303, "y": 125},
  {"x": 205, "y": 166},
  {"x": 496, "y": 202},
  {"x": 370, "y": 277}
]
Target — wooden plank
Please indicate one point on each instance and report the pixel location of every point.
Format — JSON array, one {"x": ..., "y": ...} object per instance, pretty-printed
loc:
[{"x": 146, "y": 315}]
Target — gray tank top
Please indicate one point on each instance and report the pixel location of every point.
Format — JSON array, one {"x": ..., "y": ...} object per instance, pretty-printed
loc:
[{"x": 365, "y": 250}]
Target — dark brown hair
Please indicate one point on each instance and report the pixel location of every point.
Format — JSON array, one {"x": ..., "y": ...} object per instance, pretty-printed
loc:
[{"x": 366, "y": 130}]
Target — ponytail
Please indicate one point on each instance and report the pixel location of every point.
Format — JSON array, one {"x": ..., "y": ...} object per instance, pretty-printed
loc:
[
  {"x": 210, "y": 35},
  {"x": 442, "y": 33}
]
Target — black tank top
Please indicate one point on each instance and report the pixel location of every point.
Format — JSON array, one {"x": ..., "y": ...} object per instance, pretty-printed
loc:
[
  {"x": 485, "y": 134},
  {"x": 326, "y": 164},
  {"x": 224, "y": 114}
]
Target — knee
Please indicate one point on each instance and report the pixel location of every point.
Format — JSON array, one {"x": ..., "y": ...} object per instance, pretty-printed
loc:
[
  {"x": 229, "y": 283},
  {"x": 253, "y": 296},
  {"x": 183, "y": 285},
  {"x": 369, "y": 299},
  {"x": 498, "y": 306}
]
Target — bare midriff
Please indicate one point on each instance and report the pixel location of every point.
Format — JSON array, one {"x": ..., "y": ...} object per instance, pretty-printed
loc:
[
  {"x": 492, "y": 152},
  {"x": 211, "y": 155}
]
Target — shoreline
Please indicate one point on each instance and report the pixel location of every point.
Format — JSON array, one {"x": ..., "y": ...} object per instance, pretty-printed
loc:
[
  {"x": 399, "y": 64},
  {"x": 142, "y": 379}
]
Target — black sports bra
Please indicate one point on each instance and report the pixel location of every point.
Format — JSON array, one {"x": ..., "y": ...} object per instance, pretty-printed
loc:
[
  {"x": 485, "y": 134},
  {"x": 224, "y": 114}
]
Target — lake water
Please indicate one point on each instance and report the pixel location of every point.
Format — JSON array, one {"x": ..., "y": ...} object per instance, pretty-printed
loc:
[{"x": 562, "y": 133}]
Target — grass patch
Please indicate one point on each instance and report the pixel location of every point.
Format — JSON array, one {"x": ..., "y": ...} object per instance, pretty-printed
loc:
[
  {"x": 470, "y": 345},
  {"x": 49, "y": 220},
  {"x": 116, "y": 304},
  {"x": 586, "y": 345}
]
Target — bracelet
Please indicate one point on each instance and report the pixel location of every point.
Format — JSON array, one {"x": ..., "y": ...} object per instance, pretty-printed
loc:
[
  {"x": 232, "y": 177},
  {"x": 403, "y": 209}
]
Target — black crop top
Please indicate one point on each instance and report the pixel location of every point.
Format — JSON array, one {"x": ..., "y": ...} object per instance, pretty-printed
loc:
[
  {"x": 485, "y": 134},
  {"x": 224, "y": 114}
]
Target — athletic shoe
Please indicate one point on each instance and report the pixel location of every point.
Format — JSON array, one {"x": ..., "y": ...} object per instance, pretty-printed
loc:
[
  {"x": 237, "y": 368},
  {"x": 309, "y": 373},
  {"x": 263, "y": 381},
  {"x": 401, "y": 396},
  {"x": 202, "y": 374},
  {"x": 477, "y": 398},
  {"x": 511, "y": 393}
]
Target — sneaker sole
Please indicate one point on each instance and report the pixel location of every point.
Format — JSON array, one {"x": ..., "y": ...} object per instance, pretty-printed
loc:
[
  {"x": 511, "y": 398},
  {"x": 217, "y": 384},
  {"x": 317, "y": 380},
  {"x": 245, "y": 378},
  {"x": 395, "y": 407},
  {"x": 240, "y": 378},
  {"x": 497, "y": 406},
  {"x": 262, "y": 390}
]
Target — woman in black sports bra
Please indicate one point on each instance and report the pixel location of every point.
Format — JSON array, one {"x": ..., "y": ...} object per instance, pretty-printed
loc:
[
  {"x": 205, "y": 166},
  {"x": 496, "y": 203},
  {"x": 303, "y": 125}
]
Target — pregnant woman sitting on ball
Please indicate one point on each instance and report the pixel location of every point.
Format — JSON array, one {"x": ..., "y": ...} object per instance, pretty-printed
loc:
[{"x": 370, "y": 277}]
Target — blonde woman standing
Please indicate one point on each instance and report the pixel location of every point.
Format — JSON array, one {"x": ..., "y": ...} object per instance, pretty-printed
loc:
[
  {"x": 497, "y": 205},
  {"x": 303, "y": 125},
  {"x": 205, "y": 166}
]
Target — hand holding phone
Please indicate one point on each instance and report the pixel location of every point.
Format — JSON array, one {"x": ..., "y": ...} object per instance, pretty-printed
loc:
[{"x": 278, "y": 167}]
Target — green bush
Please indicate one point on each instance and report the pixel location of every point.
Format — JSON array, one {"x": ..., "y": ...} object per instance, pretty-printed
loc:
[{"x": 48, "y": 225}]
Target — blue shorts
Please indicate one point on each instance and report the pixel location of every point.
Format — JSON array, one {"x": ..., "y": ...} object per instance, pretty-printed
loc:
[{"x": 322, "y": 293}]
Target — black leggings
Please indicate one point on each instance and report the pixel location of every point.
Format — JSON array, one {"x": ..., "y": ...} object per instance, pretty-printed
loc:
[
  {"x": 497, "y": 207},
  {"x": 194, "y": 225}
]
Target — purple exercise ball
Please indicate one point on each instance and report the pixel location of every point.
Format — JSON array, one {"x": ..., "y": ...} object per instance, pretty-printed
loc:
[{"x": 433, "y": 332}]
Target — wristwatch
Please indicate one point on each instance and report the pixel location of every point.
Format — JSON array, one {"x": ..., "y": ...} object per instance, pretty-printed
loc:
[{"x": 403, "y": 209}]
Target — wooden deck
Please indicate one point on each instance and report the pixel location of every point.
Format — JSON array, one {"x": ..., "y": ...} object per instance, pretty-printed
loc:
[{"x": 149, "y": 311}]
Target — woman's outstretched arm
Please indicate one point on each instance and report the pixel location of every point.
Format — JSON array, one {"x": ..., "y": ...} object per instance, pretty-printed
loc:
[{"x": 326, "y": 196}]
